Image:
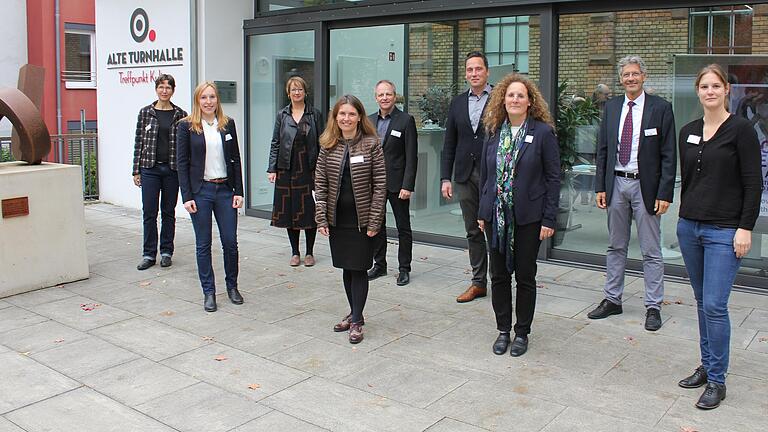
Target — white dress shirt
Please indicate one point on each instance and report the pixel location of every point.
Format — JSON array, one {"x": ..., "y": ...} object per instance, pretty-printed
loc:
[
  {"x": 637, "y": 118},
  {"x": 215, "y": 164}
]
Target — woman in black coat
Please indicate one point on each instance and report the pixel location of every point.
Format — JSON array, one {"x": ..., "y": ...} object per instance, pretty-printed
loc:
[
  {"x": 292, "y": 158},
  {"x": 520, "y": 187}
]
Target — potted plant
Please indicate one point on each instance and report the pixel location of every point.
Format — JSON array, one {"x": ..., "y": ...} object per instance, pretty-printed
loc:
[
  {"x": 572, "y": 112},
  {"x": 434, "y": 104}
]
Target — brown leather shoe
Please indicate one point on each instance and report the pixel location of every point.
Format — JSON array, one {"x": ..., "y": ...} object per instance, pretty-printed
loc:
[
  {"x": 472, "y": 293},
  {"x": 309, "y": 261},
  {"x": 355, "y": 333},
  {"x": 295, "y": 261},
  {"x": 344, "y": 324}
]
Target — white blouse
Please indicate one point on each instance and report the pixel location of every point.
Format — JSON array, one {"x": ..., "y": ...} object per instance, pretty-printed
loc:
[{"x": 215, "y": 164}]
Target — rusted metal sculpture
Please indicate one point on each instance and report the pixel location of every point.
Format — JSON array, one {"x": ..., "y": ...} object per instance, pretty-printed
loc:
[
  {"x": 34, "y": 139},
  {"x": 31, "y": 79}
]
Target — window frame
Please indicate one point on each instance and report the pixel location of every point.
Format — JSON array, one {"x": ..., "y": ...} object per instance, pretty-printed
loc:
[
  {"x": 73, "y": 84},
  {"x": 711, "y": 14}
]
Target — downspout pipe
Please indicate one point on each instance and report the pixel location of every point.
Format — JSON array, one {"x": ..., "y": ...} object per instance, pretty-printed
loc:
[{"x": 58, "y": 77}]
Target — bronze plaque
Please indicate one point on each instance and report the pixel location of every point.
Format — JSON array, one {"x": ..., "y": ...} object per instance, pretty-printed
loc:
[{"x": 13, "y": 207}]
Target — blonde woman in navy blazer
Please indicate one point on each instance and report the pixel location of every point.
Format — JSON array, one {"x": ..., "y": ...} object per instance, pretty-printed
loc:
[
  {"x": 211, "y": 182},
  {"x": 524, "y": 194}
]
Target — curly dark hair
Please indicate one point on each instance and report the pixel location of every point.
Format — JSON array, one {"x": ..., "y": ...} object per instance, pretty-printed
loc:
[{"x": 495, "y": 113}]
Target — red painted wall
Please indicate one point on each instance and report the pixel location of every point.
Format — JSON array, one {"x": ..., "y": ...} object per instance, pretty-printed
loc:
[{"x": 41, "y": 51}]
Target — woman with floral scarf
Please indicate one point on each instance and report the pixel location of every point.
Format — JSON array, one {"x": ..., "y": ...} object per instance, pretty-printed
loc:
[{"x": 520, "y": 180}]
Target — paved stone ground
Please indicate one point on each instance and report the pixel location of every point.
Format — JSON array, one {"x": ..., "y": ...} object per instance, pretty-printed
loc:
[{"x": 134, "y": 351}]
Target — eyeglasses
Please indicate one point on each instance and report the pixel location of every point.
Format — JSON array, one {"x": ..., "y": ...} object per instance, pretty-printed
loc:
[
  {"x": 297, "y": 90},
  {"x": 631, "y": 74}
]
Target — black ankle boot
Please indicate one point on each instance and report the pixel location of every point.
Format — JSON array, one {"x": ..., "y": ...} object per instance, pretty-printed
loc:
[{"x": 209, "y": 304}]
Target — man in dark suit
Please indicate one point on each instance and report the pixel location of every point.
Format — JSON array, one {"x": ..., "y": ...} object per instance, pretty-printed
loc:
[
  {"x": 462, "y": 152},
  {"x": 397, "y": 132},
  {"x": 635, "y": 178}
]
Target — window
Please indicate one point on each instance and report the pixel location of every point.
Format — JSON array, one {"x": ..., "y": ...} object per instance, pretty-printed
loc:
[
  {"x": 721, "y": 30},
  {"x": 79, "y": 56},
  {"x": 506, "y": 44}
]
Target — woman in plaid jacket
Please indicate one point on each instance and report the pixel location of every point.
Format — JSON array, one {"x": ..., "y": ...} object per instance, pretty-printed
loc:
[{"x": 154, "y": 170}]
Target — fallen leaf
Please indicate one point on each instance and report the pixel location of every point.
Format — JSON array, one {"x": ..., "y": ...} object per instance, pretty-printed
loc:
[
  {"x": 630, "y": 339},
  {"x": 220, "y": 358},
  {"x": 254, "y": 386},
  {"x": 89, "y": 306},
  {"x": 145, "y": 283},
  {"x": 370, "y": 385},
  {"x": 541, "y": 286},
  {"x": 666, "y": 302},
  {"x": 762, "y": 339},
  {"x": 688, "y": 429},
  {"x": 289, "y": 286},
  {"x": 167, "y": 313},
  {"x": 281, "y": 274},
  {"x": 26, "y": 353},
  {"x": 58, "y": 341},
  {"x": 678, "y": 302},
  {"x": 207, "y": 338},
  {"x": 424, "y": 258}
]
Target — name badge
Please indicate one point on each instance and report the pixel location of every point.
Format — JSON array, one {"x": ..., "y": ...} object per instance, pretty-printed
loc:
[
  {"x": 396, "y": 133},
  {"x": 651, "y": 132},
  {"x": 228, "y": 137},
  {"x": 357, "y": 159},
  {"x": 148, "y": 127},
  {"x": 694, "y": 139},
  {"x": 529, "y": 139}
]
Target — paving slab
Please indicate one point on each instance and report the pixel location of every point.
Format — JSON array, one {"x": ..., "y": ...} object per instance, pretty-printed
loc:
[
  {"x": 202, "y": 404},
  {"x": 84, "y": 357},
  {"x": 259, "y": 338},
  {"x": 266, "y": 310},
  {"x": 7, "y": 426},
  {"x": 138, "y": 381},
  {"x": 580, "y": 420},
  {"x": 166, "y": 341},
  {"x": 82, "y": 313},
  {"x": 40, "y": 296},
  {"x": 4, "y": 304},
  {"x": 14, "y": 317},
  {"x": 451, "y": 425},
  {"x": 277, "y": 421},
  {"x": 492, "y": 406},
  {"x": 40, "y": 337},
  {"x": 403, "y": 382},
  {"x": 325, "y": 359},
  {"x": 689, "y": 329},
  {"x": 683, "y": 415},
  {"x": 759, "y": 343},
  {"x": 560, "y": 306},
  {"x": 416, "y": 321},
  {"x": 83, "y": 410},
  {"x": 757, "y": 320},
  {"x": 316, "y": 401},
  {"x": 748, "y": 364},
  {"x": 236, "y": 371},
  {"x": 338, "y": 306},
  {"x": 24, "y": 381},
  {"x": 201, "y": 323},
  {"x": 152, "y": 303}
]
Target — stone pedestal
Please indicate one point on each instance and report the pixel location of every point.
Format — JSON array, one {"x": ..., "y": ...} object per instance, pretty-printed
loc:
[{"x": 45, "y": 247}]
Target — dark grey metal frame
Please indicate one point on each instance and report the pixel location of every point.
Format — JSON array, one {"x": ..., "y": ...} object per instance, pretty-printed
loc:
[{"x": 375, "y": 13}]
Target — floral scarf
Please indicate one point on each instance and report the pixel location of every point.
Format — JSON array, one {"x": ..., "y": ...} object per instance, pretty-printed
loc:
[{"x": 506, "y": 159}]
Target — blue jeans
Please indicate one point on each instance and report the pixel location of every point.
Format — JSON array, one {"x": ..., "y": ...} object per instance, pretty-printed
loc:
[
  {"x": 159, "y": 183},
  {"x": 215, "y": 200},
  {"x": 712, "y": 265}
]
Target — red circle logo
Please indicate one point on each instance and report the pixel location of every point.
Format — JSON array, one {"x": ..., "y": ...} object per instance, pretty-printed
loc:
[{"x": 152, "y": 35}]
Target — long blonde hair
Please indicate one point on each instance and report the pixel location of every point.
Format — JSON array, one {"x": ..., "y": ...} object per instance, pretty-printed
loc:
[
  {"x": 195, "y": 118},
  {"x": 495, "y": 113},
  {"x": 332, "y": 134}
]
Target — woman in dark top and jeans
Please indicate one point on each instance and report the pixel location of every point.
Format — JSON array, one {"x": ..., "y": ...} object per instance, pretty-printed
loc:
[
  {"x": 154, "y": 170},
  {"x": 292, "y": 159},
  {"x": 720, "y": 202}
]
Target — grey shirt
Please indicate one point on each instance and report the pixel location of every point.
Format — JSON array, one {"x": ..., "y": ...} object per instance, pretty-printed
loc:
[
  {"x": 382, "y": 125},
  {"x": 476, "y": 105}
]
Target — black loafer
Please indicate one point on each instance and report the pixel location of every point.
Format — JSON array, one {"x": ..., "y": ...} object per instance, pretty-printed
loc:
[
  {"x": 712, "y": 396},
  {"x": 403, "y": 278},
  {"x": 652, "y": 319},
  {"x": 209, "y": 304},
  {"x": 501, "y": 344},
  {"x": 696, "y": 380},
  {"x": 376, "y": 272},
  {"x": 165, "y": 261},
  {"x": 145, "y": 264},
  {"x": 605, "y": 309},
  {"x": 519, "y": 346},
  {"x": 234, "y": 296}
]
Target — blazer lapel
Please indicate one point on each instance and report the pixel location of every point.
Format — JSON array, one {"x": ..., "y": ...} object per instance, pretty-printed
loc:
[
  {"x": 392, "y": 119},
  {"x": 525, "y": 144},
  {"x": 644, "y": 122}
]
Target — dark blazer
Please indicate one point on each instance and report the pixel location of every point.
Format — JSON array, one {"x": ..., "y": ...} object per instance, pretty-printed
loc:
[
  {"x": 400, "y": 152},
  {"x": 284, "y": 133},
  {"x": 191, "y": 159},
  {"x": 536, "y": 181},
  {"x": 462, "y": 146},
  {"x": 656, "y": 158}
]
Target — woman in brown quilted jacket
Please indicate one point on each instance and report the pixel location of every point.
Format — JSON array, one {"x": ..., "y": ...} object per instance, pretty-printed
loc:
[{"x": 350, "y": 188}]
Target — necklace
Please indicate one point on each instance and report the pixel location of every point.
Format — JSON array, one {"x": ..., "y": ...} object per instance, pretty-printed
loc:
[{"x": 210, "y": 123}]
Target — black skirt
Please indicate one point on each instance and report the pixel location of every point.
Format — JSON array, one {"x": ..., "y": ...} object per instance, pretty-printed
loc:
[
  {"x": 294, "y": 206},
  {"x": 351, "y": 248}
]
